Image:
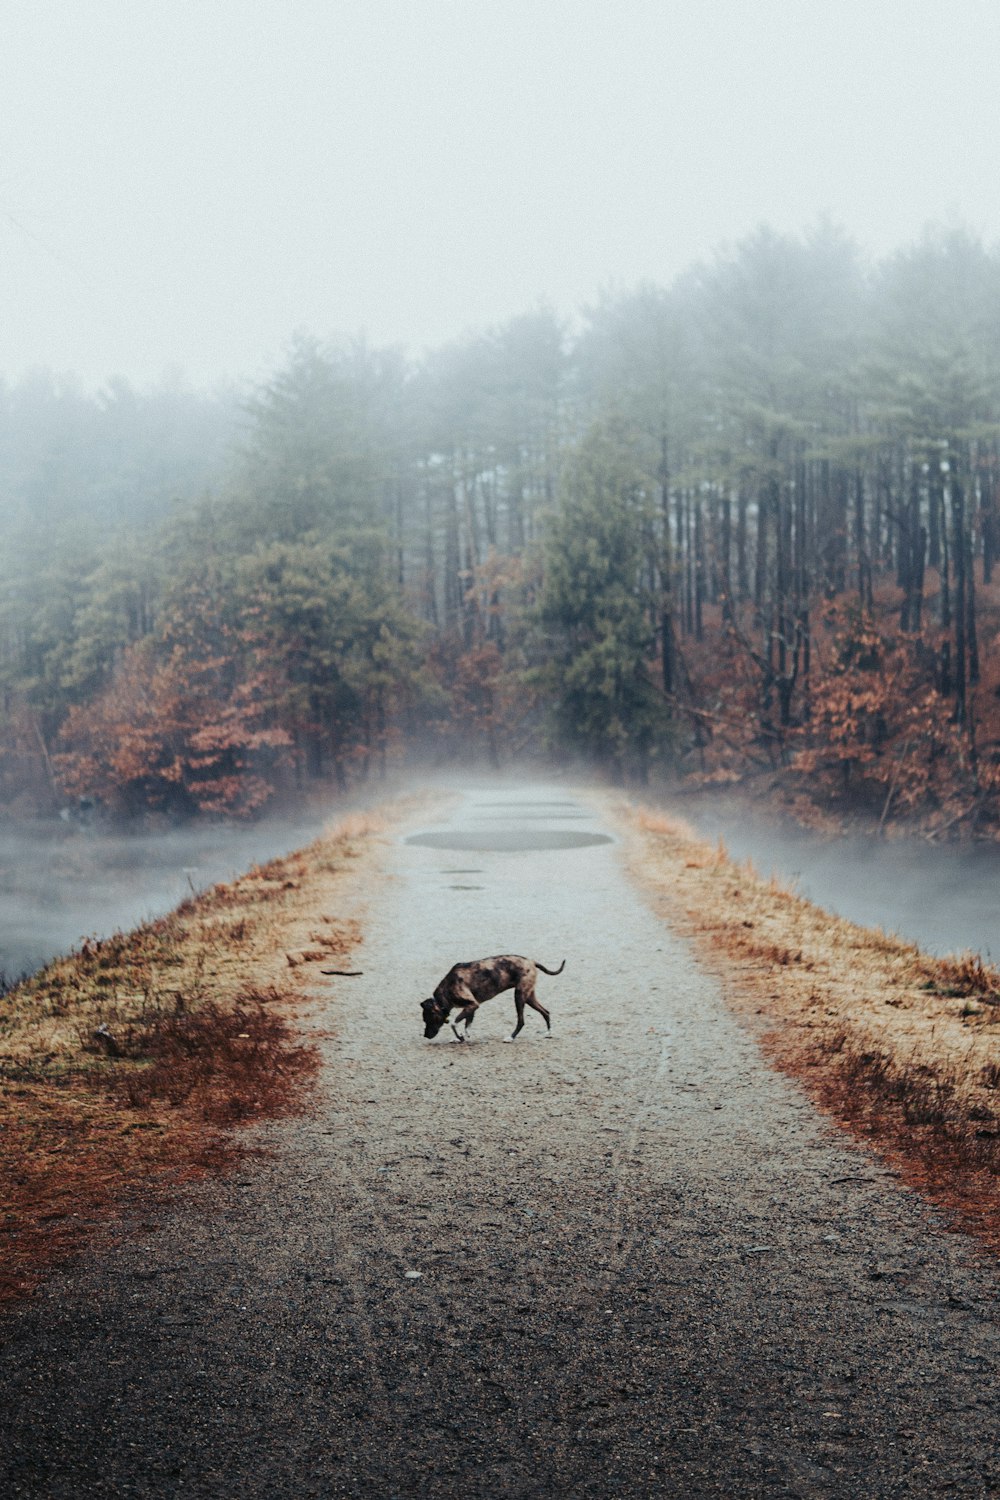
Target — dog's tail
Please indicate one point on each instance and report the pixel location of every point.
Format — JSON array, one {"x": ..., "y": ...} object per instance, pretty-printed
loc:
[
  {"x": 346, "y": 973},
  {"x": 550, "y": 971}
]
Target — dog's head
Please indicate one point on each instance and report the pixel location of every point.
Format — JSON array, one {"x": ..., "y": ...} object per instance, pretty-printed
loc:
[{"x": 434, "y": 1017}]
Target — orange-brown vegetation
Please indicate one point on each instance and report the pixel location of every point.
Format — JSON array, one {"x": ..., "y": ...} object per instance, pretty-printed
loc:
[
  {"x": 125, "y": 1065},
  {"x": 873, "y": 735},
  {"x": 901, "y": 1048},
  {"x": 182, "y": 733}
]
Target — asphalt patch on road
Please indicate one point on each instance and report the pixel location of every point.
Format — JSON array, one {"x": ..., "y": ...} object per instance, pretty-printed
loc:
[{"x": 507, "y": 841}]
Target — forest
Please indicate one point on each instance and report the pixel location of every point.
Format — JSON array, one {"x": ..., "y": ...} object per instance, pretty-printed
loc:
[{"x": 744, "y": 529}]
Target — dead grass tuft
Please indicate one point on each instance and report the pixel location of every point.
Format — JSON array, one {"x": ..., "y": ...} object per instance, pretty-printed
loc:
[
  {"x": 661, "y": 823},
  {"x": 224, "y": 1064},
  {"x": 964, "y": 977},
  {"x": 990, "y": 1075}
]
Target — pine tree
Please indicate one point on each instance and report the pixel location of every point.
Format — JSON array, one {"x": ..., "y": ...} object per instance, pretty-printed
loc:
[{"x": 596, "y": 608}]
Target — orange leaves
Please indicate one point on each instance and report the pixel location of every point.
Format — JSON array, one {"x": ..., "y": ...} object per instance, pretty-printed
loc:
[
  {"x": 878, "y": 722},
  {"x": 173, "y": 736}
]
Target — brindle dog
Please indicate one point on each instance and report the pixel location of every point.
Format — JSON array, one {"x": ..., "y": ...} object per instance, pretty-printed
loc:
[{"x": 466, "y": 986}]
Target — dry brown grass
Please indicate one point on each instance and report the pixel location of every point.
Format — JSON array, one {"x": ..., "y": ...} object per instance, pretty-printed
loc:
[
  {"x": 900, "y": 1047},
  {"x": 128, "y": 1063}
]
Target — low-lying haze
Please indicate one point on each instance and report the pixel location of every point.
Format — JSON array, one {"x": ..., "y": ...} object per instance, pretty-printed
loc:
[{"x": 185, "y": 185}]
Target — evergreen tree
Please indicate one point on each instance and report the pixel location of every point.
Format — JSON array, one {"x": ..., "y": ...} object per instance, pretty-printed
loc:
[{"x": 595, "y": 610}]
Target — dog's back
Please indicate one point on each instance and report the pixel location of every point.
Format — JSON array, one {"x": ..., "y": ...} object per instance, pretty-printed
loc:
[{"x": 485, "y": 977}]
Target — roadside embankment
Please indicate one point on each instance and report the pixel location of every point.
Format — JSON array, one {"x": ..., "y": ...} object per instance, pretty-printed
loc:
[
  {"x": 903, "y": 1049},
  {"x": 127, "y": 1064}
]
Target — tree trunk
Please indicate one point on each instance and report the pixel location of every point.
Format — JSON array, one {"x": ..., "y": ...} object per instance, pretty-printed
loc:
[
  {"x": 725, "y": 560},
  {"x": 699, "y": 568},
  {"x": 972, "y": 634},
  {"x": 666, "y": 573},
  {"x": 935, "y": 512},
  {"x": 742, "y": 572},
  {"x": 959, "y": 554}
]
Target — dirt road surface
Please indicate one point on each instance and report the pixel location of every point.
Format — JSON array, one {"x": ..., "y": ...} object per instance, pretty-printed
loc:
[{"x": 628, "y": 1260}]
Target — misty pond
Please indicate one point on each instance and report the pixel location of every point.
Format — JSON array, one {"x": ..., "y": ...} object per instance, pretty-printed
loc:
[
  {"x": 946, "y": 897},
  {"x": 60, "y": 883}
]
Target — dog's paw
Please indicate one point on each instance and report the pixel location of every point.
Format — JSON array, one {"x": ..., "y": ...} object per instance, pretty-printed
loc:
[{"x": 508, "y": 1038}]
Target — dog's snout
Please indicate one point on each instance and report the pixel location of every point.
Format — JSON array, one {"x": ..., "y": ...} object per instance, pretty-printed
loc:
[{"x": 432, "y": 1021}]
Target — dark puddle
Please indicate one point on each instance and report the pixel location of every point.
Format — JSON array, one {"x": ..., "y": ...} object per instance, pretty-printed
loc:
[
  {"x": 507, "y": 841},
  {"x": 555, "y": 817},
  {"x": 517, "y": 806}
]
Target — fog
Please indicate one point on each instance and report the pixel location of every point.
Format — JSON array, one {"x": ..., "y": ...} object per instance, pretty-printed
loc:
[
  {"x": 59, "y": 885},
  {"x": 555, "y": 210},
  {"x": 945, "y": 898},
  {"x": 185, "y": 185}
]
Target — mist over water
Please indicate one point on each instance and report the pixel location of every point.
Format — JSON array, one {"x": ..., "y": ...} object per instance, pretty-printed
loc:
[
  {"x": 59, "y": 885},
  {"x": 944, "y": 897}
]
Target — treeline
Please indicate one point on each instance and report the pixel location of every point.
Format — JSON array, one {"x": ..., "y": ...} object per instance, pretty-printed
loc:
[{"x": 745, "y": 524}]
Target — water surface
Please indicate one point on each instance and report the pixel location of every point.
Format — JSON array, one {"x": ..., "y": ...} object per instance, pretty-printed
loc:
[{"x": 944, "y": 897}]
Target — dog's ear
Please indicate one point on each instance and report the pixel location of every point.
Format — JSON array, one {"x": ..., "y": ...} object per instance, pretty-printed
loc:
[{"x": 426, "y": 1005}]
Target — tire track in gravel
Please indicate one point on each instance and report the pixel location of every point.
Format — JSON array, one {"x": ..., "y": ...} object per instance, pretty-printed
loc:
[
  {"x": 645, "y": 1267},
  {"x": 620, "y": 1240}
]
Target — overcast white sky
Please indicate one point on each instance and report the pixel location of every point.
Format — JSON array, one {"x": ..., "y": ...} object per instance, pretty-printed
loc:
[{"x": 186, "y": 182}]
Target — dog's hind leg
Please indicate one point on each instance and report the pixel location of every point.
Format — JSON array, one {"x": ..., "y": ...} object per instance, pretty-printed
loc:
[
  {"x": 543, "y": 1013},
  {"x": 525, "y": 995}
]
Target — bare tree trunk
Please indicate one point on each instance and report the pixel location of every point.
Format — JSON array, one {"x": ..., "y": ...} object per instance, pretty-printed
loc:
[
  {"x": 725, "y": 560},
  {"x": 860, "y": 549},
  {"x": 699, "y": 568},
  {"x": 972, "y": 634},
  {"x": 666, "y": 573},
  {"x": 760, "y": 564},
  {"x": 989, "y": 514},
  {"x": 452, "y": 560},
  {"x": 783, "y": 537},
  {"x": 935, "y": 514},
  {"x": 430, "y": 562},
  {"x": 945, "y": 566},
  {"x": 742, "y": 573},
  {"x": 959, "y": 554},
  {"x": 802, "y": 579}
]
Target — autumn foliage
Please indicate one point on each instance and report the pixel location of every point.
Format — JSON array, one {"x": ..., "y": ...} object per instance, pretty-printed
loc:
[
  {"x": 178, "y": 736},
  {"x": 743, "y": 528}
]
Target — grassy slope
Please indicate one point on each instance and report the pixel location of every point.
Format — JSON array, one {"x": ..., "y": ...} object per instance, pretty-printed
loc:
[
  {"x": 126, "y": 1064},
  {"x": 902, "y": 1048}
]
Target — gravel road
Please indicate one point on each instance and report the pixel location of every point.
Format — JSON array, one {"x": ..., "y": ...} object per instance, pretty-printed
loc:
[{"x": 625, "y": 1261}]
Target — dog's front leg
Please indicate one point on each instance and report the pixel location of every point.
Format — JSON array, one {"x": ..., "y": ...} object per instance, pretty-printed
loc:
[{"x": 465, "y": 1015}]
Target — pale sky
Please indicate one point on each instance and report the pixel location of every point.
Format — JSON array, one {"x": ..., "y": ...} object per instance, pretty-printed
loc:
[{"x": 184, "y": 183}]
